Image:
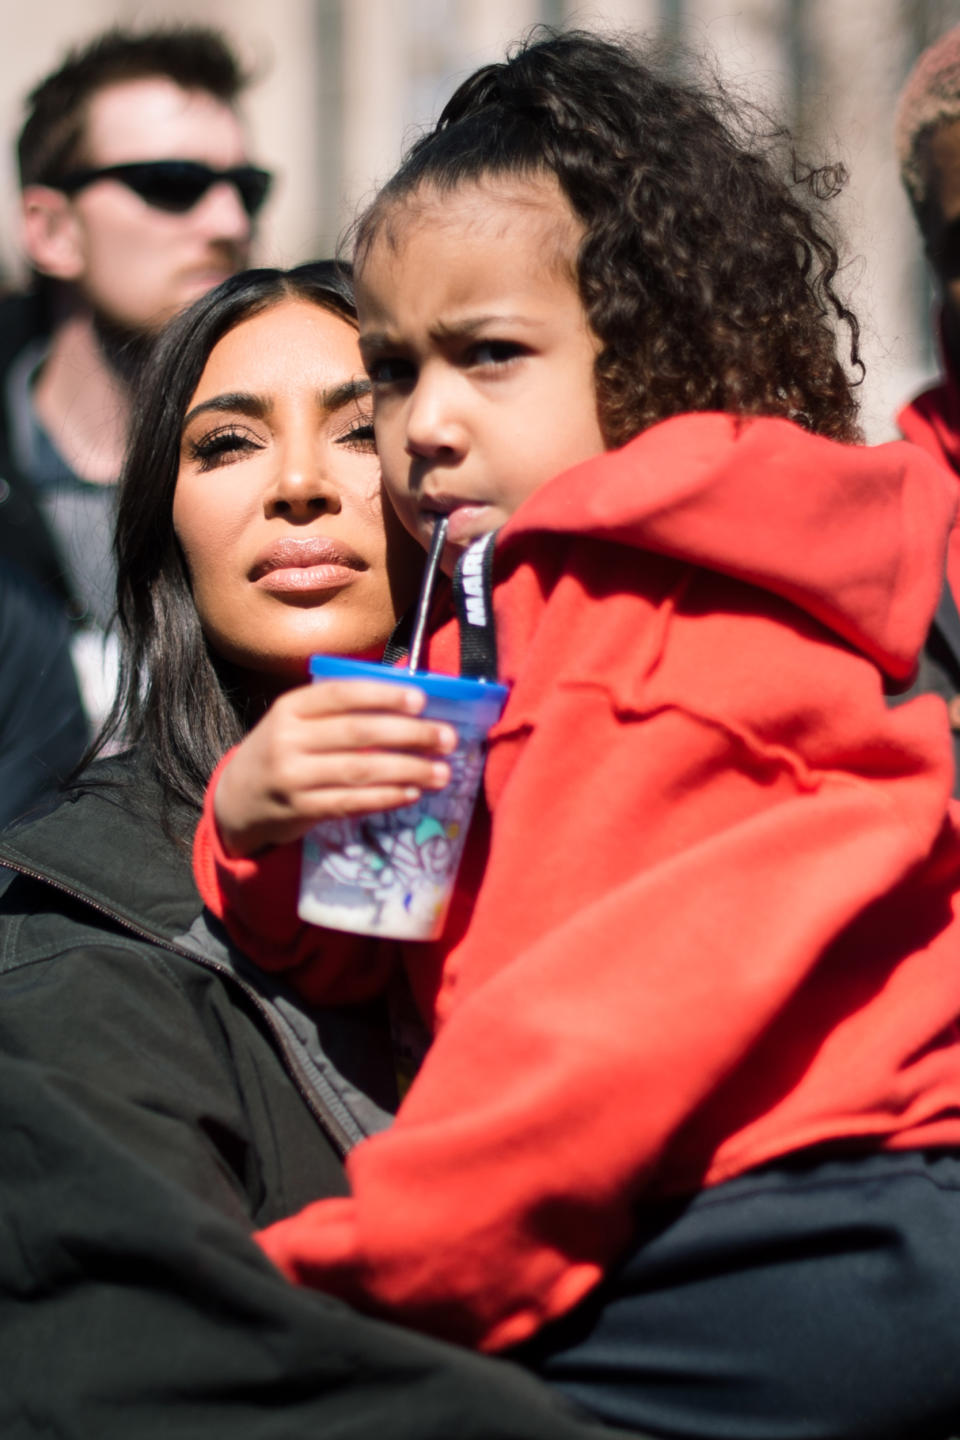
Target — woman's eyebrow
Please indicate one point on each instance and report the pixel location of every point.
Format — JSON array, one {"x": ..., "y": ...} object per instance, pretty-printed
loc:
[
  {"x": 346, "y": 394},
  {"x": 257, "y": 407},
  {"x": 253, "y": 405}
]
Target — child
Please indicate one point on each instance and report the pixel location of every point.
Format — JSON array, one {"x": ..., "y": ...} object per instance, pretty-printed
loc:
[{"x": 691, "y": 1118}]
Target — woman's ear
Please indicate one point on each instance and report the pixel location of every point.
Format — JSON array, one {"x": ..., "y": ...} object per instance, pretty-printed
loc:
[{"x": 51, "y": 233}]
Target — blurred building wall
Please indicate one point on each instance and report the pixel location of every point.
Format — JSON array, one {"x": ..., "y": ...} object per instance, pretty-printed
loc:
[{"x": 344, "y": 83}]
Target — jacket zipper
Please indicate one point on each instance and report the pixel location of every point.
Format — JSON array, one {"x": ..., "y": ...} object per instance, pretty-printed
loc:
[{"x": 341, "y": 1140}]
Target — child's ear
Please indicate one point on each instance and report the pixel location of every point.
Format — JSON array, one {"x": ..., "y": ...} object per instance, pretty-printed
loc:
[{"x": 50, "y": 232}]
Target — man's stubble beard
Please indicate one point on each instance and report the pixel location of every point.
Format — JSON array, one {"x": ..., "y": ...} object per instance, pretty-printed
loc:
[{"x": 125, "y": 350}]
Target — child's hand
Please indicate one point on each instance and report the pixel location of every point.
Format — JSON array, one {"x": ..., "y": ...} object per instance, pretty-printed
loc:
[{"x": 325, "y": 750}]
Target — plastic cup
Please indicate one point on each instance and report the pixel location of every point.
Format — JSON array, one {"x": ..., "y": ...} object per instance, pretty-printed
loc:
[{"x": 392, "y": 872}]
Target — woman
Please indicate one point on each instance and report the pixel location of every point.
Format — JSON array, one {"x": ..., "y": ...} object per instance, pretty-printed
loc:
[{"x": 159, "y": 1099}]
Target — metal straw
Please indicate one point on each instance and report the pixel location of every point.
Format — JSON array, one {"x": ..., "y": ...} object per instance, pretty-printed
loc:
[{"x": 426, "y": 591}]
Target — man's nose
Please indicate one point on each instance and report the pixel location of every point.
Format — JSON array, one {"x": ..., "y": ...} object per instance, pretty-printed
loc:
[{"x": 221, "y": 216}]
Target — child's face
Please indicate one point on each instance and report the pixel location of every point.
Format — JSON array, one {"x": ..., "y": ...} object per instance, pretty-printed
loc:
[{"x": 479, "y": 352}]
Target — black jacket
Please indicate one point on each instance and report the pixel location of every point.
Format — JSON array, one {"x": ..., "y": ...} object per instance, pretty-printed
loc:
[
  {"x": 43, "y": 730},
  {"x": 25, "y": 536},
  {"x": 159, "y": 1099}
]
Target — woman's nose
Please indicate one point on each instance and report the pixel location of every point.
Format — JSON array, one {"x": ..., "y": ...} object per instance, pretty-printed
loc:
[{"x": 303, "y": 486}]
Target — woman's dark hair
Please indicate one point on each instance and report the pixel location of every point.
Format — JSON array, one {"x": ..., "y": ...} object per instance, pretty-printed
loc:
[
  {"x": 175, "y": 697},
  {"x": 705, "y": 273}
]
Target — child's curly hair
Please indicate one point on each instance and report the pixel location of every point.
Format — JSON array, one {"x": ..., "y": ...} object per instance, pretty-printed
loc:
[{"x": 707, "y": 279}]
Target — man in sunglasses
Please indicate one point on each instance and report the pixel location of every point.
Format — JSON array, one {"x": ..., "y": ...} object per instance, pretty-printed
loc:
[{"x": 138, "y": 195}]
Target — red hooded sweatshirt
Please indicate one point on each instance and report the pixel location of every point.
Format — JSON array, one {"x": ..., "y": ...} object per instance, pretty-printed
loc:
[{"x": 718, "y": 916}]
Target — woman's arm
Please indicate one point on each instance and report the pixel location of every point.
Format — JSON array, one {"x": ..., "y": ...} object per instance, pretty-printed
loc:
[
  {"x": 324, "y": 751},
  {"x": 321, "y": 752}
]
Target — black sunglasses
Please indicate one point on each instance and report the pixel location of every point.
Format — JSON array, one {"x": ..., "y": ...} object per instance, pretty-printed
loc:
[{"x": 175, "y": 185}]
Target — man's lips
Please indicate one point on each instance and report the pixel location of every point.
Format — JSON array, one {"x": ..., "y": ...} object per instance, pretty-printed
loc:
[
  {"x": 205, "y": 272},
  {"x": 309, "y": 564}
]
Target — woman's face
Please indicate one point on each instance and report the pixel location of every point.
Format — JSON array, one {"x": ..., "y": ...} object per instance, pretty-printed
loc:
[{"x": 278, "y": 506}]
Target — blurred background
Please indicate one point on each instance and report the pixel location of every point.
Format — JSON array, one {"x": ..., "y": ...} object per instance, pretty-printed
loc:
[{"x": 343, "y": 84}]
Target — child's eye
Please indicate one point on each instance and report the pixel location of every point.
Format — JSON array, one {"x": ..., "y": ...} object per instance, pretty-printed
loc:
[
  {"x": 494, "y": 352},
  {"x": 390, "y": 370},
  {"x": 221, "y": 447}
]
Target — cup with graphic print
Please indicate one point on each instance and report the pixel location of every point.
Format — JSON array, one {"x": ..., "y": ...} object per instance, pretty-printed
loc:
[{"x": 391, "y": 873}]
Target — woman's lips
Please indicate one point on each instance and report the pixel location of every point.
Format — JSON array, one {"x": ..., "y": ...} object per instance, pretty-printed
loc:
[
  {"x": 306, "y": 566},
  {"x": 307, "y": 580}
]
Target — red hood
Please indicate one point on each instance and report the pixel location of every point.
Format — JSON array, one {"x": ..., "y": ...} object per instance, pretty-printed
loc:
[{"x": 854, "y": 535}]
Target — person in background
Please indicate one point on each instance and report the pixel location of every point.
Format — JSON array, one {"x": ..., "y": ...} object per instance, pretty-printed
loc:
[
  {"x": 137, "y": 196},
  {"x": 43, "y": 732},
  {"x": 927, "y": 135}
]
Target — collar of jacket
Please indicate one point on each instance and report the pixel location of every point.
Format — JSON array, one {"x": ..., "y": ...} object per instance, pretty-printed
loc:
[{"x": 105, "y": 848}]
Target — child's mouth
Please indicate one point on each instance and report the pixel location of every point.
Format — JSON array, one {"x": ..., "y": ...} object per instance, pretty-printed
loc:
[{"x": 466, "y": 520}]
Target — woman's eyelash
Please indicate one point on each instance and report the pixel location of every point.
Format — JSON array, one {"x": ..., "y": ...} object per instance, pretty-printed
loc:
[
  {"x": 360, "y": 435},
  {"x": 218, "y": 447},
  {"x": 209, "y": 450}
]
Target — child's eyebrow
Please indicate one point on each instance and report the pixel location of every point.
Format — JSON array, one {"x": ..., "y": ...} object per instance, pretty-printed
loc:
[
  {"x": 471, "y": 325},
  {"x": 379, "y": 340},
  {"x": 376, "y": 340}
]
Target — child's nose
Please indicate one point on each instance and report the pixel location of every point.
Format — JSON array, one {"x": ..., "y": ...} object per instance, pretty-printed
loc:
[{"x": 434, "y": 422}]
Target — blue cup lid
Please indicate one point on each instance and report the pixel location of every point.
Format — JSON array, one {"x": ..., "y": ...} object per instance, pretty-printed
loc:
[{"x": 456, "y": 688}]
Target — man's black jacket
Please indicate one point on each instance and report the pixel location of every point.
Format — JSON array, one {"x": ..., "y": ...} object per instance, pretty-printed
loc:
[
  {"x": 43, "y": 730},
  {"x": 25, "y": 537}
]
